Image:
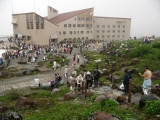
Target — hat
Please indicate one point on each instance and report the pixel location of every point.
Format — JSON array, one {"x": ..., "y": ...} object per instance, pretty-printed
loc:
[{"x": 88, "y": 72}]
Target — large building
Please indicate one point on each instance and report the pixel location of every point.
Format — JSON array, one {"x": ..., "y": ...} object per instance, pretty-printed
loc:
[{"x": 79, "y": 24}]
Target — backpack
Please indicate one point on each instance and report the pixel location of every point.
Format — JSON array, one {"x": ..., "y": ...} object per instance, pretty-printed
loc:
[
  {"x": 96, "y": 74},
  {"x": 89, "y": 77},
  {"x": 59, "y": 78}
]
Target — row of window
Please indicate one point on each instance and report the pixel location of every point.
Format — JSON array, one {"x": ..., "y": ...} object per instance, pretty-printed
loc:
[
  {"x": 108, "y": 36},
  {"x": 78, "y": 25},
  {"x": 39, "y": 21},
  {"x": 113, "y": 31},
  {"x": 74, "y": 32},
  {"x": 84, "y": 19},
  {"x": 82, "y": 38},
  {"x": 109, "y": 26}
]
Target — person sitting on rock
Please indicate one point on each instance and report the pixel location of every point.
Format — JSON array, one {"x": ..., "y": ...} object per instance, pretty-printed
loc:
[
  {"x": 37, "y": 81},
  {"x": 126, "y": 80}
]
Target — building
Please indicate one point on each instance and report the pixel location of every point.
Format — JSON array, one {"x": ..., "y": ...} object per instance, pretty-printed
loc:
[{"x": 79, "y": 24}]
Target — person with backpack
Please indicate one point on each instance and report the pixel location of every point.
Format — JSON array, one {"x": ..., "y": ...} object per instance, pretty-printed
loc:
[
  {"x": 57, "y": 79},
  {"x": 89, "y": 79},
  {"x": 96, "y": 75},
  {"x": 126, "y": 80}
]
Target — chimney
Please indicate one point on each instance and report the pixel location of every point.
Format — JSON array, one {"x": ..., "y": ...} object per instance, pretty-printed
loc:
[{"x": 52, "y": 12}]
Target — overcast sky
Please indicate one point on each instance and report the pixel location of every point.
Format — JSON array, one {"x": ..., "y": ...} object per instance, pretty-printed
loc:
[{"x": 145, "y": 14}]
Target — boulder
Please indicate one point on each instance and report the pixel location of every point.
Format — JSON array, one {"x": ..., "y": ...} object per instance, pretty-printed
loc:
[
  {"x": 134, "y": 61},
  {"x": 20, "y": 73},
  {"x": 40, "y": 63},
  {"x": 121, "y": 99},
  {"x": 114, "y": 86},
  {"x": 103, "y": 116},
  {"x": 156, "y": 75},
  {"x": 101, "y": 97},
  {"x": 55, "y": 91},
  {"x": 10, "y": 116},
  {"x": 3, "y": 108},
  {"x": 70, "y": 95},
  {"x": 156, "y": 90},
  {"x": 22, "y": 103},
  {"x": 46, "y": 85},
  {"x": 116, "y": 79},
  {"x": 144, "y": 98},
  {"x": 28, "y": 72}
]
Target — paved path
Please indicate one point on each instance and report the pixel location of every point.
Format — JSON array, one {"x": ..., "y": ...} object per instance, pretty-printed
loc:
[{"x": 21, "y": 82}]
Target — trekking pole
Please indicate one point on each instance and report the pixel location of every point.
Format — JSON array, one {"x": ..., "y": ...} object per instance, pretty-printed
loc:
[
  {"x": 86, "y": 89},
  {"x": 129, "y": 94}
]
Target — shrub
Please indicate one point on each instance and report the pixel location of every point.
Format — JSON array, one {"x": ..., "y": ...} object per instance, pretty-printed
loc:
[
  {"x": 156, "y": 45},
  {"x": 152, "y": 107},
  {"x": 14, "y": 94}
]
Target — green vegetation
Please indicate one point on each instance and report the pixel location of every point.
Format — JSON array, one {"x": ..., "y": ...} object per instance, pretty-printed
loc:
[{"x": 152, "y": 107}]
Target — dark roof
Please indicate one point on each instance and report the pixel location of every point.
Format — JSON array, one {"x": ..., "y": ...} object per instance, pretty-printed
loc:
[
  {"x": 111, "y": 17},
  {"x": 64, "y": 16}
]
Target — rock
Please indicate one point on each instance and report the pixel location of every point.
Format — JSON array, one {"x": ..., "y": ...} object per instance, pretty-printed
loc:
[
  {"x": 28, "y": 72},
  {"x": 121, "y": 99},
  {"x": 98, "y": 61},
  {"x": 46, "y": 85},
  {"x": 156, "y": 90},
  {"x": 70, "y": 95},
  {"x": 10, "y": 116},
  {"x": 103, "y": 116},
  {"x": 24, "y": 103},
  {"x": 55, "y": 91},
  {"x": 20, "y": 73},
  {"x": 114, "y": 86},
  {"x": 156, "y": 75},
  {"x": 3, "y": 108},
  {"x": 90, "y": 93},
  {"x": 134, "y": 61},
  {"x": 40, "y": 63},
  {"x": 144, "y": 98},
  {"x": 3, "y": 74},
  {"x": 116, "y": 79},
  {"x": 101, "y": 97}
]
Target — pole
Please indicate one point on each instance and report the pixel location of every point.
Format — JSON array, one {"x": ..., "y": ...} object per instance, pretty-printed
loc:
[
  {"x": 86, "y": 89},
  {"x": 129, "y": 94}
]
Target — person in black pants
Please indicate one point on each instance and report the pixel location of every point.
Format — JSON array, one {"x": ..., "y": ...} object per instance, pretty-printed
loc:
[
  {"x": 89, "y": 78},
  {"x": 127, "y": 77},
  {"x": 96, "y": 75}
]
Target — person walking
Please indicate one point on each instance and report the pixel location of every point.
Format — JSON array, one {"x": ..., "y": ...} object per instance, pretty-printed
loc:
[
  {"x": 126, "y": 81},
  {"x": 79, "y": 80},
  {"x": 56, "y": 80},
  {"x": 37, "y": 81},
  {"x": 147, "y": 80},
  {"x": 78, "y": 58},
  {"x": 89, "y": 78},
  {"x": 96, "y": 75},
  {"x": 66, "y": 71}
]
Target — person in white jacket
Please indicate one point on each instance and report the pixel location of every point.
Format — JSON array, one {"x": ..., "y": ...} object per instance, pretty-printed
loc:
[{"x": 79, "y": 80}]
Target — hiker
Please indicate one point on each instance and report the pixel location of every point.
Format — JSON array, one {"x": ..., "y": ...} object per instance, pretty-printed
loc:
[
  {"x": 54, "y": 65},
  {"x": 57, "y": 79},
  {"x": 79, "y": 80},
  {"x": 37, "y": 81},
  {"x": 66, "y": 71},
  {"x": 96, "y": 75},
  {"x": 78, "y": 58},
  {"x": 74, "y": 73},
  {"x": 71, "y": 83},
  {"x": 89, "y": 78},
  {"x": 52, "y": 84},
  {"x": 147, "y": 80},
  {"x": 126, "y": 81}
]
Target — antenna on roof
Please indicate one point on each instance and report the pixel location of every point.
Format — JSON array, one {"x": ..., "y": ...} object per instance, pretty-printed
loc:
[{"x": 12, "y": 6}]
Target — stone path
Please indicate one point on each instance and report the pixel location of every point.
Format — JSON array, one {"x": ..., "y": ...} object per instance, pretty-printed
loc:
[{"x": 27, "y": 81}]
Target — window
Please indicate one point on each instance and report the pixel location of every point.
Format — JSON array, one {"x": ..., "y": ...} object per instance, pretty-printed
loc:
[
  {"x": 108, "y": 26},
  {"x": 114, "y": 26},
  {"x": 31, "y": 25},
  {"x": 29, "y": 20},
  {"x": 64, "y": 32},
  {"x": 75, "y": 19},
  {"x": 113, "y": 36},
  {"x": 81, "y": 32},
  {"x": 74, "y": 32},
  {"x": 113, "y": 31},
  {"x": 118, "y": 36},
  {"x": 42, "y": 23},
  {"x": 108, "y": 31},
  {"x": 97, "y": 36},
  {"x": 103, "y": 26},
  {"x": 78, "y": 32},
  {"x": 82, "y": 25},
  {"x": 91, "y": 31},
  {"x": 59, "y": 33},
  {"x": 78, "y": 25},
  {"x": 108, "y": 36},
  {"x": 118, "y": 26},
  {"x": 97, "y": 31},
  {"x": 97, "y": 26},
  {"x": 28, "y": 25},
  {"x": 102, "y": 36},
  {"x": 70, "y": 32},
  {"x": 69, "y": 25},
  {"x": 123, "y": 31},
  {"x": 87, "y": 32},
  {"x": 123, "y": 35},
  {"x": 74, "y": 25},
  {"x": 103, "y": 31},
  {"x": 118, "y": 31},
  {"x": 37, "y": 22},
  {"x": 123, "y": 26},
  {"x": 65, "y": 25},
  {"x": 28, "y": 37}
]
